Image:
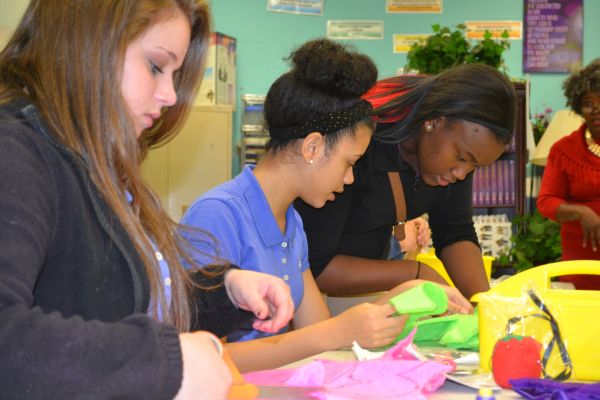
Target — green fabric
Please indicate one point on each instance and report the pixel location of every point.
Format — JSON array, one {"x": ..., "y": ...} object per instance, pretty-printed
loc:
[
  {"x": 418, "y": 302},
  {"x": 423, "y": 302},
  {"x": 457, "y": 331}
]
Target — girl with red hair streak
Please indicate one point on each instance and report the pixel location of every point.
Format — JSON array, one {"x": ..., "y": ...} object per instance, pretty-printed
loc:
[{"x": 432, "y": 132}]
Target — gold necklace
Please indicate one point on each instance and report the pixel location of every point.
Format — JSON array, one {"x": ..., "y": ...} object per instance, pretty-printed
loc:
[{"x": 592, "y": 146}]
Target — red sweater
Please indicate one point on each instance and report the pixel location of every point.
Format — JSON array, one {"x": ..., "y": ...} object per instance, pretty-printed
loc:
[{"x": 572, "y": 175}]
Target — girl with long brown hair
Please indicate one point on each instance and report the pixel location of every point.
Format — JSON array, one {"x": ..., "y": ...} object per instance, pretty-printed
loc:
[{"x": 93, "y": 294}]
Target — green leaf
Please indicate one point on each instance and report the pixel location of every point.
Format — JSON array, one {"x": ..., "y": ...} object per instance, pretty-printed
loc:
[
  {"x": 446, "y": 48},
  {"x": 536, "y": 241}
]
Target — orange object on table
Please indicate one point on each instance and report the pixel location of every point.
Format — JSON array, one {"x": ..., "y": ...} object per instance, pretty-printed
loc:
[{"x": 240, "y": 389}]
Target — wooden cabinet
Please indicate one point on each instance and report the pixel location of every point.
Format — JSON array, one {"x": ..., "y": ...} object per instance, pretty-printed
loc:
[{"x": 197, "y": 159}]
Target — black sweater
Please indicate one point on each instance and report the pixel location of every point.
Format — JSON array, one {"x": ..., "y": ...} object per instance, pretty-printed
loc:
[
  {"x": 358, "y": 223},
  {"x": 73, "y": 291}
]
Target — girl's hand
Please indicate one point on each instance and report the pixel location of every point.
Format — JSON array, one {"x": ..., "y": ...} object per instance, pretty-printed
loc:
[
  {"x": 267, "y": 296},
  {"x": 457, "y": 303},
  {"x": 423, "y": 232},
  {"x": 371, "y": 325},
  {"x": 203, "y": 367},
  {"x": 417, "y": 235}
]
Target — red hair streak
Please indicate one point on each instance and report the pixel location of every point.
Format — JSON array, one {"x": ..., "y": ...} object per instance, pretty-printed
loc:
[{"x": 381, "y": 94}]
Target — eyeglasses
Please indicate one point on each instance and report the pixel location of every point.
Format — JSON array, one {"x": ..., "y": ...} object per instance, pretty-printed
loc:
[{"x": 588, "y": 108}]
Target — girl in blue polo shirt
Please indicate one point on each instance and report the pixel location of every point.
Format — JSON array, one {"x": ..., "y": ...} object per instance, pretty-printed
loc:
[{"x": 319, "y": 128}]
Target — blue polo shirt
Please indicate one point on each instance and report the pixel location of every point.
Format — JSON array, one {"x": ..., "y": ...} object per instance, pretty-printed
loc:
[{"x": 238, "y": 215}]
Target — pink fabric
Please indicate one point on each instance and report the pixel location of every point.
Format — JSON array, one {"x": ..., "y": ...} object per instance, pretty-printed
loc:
[{"x": 395, "y": 375}]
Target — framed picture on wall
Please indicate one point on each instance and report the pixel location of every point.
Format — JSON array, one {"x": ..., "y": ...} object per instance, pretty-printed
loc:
[{"x": 553, "y": 39}]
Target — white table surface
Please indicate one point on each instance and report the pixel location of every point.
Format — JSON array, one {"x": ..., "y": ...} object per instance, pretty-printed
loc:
[{"x": 448, "y": 391}]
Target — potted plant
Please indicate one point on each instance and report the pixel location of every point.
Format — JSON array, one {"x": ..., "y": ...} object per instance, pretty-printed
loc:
[
  {"x": 446, "y": 48},
  {"x": 536, "y": 242},
  {"x": 539, "y": 124}
]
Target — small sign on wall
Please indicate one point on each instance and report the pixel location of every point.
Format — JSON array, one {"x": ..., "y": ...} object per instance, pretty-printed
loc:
[
  {"x": 354, "y": 29},
  {"x": 414, "y": 6},
  {"x": 476, "y": 29},
  {"x": 308, "y": 7},
  {"x": 553, "y": 35},
  {"x": 403, "y": 42}
]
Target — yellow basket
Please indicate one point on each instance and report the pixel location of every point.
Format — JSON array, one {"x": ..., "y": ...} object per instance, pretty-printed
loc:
[
  {"x": 435, "y": 263},
  {"x": 577, "y": 313}
]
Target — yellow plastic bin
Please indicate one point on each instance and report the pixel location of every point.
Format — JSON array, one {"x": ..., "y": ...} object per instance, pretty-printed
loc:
[
  {"x": 431, "y": 259},
  {"x": 577, "y": 313}
]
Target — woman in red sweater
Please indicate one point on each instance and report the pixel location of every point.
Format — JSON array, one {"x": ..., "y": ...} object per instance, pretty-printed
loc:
[{"x": 570, "y": 191}]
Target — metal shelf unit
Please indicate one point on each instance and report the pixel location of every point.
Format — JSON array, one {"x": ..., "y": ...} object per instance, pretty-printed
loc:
[{"x": 254, "y": 134}]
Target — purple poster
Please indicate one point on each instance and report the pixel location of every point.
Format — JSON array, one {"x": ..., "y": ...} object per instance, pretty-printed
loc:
[{"x": 553, "y": 35}]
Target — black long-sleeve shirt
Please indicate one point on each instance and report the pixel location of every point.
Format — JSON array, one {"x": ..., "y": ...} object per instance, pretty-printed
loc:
[{"x": 358, "y": 222}]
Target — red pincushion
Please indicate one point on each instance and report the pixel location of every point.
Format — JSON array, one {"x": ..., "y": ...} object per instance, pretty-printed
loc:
[{"x": 516, "y": 357}]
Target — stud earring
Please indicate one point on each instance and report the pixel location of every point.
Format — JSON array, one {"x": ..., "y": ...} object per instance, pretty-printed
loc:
[
  {"x": 429, "y": 127},
  {"x": 311, "y": 161}
]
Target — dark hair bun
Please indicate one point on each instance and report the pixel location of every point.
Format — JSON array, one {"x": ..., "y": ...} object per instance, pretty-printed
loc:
[{"x": 330, "y": 66}]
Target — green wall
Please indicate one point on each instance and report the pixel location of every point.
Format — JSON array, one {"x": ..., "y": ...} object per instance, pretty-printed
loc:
[{"x": 265, "y": 38}]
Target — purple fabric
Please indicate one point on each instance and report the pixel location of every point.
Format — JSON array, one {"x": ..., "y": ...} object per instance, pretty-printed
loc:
[{"x": 545, "y": 389}]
